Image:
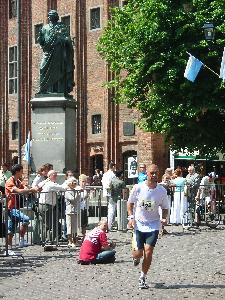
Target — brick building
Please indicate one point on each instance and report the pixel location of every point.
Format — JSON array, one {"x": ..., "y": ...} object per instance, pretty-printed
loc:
[{"x": 105, "y": 131}]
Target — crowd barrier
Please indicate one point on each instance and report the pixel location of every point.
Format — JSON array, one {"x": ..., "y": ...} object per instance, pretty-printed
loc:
[
  {"x": 210, "y": 205},
  {"x": 48, "y": 223}
]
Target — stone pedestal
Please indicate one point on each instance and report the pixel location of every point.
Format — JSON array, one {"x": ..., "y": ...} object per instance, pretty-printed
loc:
[{"x": 53, "y": 121}]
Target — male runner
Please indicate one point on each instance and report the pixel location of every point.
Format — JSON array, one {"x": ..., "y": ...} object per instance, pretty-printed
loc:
[{"x": 143, "y": 215}]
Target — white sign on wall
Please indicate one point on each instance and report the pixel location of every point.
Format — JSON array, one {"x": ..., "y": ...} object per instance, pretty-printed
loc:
[{"x": 132, "y": 167}]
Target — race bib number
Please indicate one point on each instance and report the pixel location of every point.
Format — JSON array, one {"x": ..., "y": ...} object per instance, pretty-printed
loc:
[{"x": 148, "y": 205}]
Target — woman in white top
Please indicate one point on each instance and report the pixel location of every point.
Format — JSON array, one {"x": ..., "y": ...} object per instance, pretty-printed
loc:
[
  {"x": 71, "y": 199},
  {"x": 179, "y": 205},
  {"x": 83, "y": 202}
]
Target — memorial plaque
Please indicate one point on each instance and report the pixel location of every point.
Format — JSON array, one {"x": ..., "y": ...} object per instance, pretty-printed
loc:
[
  {"x": 53, "y": 133},
  {"x": 128, "y": 128}
]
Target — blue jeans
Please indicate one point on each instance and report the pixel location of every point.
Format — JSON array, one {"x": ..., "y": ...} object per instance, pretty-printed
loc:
[
  {"x": 104, "y": 257},
  {"x": 16, "y": 216}
]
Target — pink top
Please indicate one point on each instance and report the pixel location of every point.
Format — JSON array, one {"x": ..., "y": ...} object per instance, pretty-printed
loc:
[{"x": 92, "y": 244}]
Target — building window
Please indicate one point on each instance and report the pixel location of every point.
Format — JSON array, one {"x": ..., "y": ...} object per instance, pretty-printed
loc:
[
  {"x": 12, "y": 9},
  {"x": 14, "y": 130},
  {"x": 95, "y": 18},
  {"x": 37, "y": 29},
  {"x": 13, "y": 70},
  {"x": 66, "y": 21},
  {"x": 96, "y": 124}
]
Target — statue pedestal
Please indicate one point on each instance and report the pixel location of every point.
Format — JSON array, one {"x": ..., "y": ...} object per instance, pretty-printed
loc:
[{"x": 53, "y": 121}]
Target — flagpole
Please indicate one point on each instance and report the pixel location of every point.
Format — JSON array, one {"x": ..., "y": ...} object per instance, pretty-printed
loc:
[
  {"x": 19, "y": 77},
  {"x": 211, "y": 70}
]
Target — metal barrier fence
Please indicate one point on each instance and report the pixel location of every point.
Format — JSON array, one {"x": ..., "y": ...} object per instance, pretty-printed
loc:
[
  {"x": 49, "y": 218},
  {"x": 208, "y": 207},
  {"x": 43, "y": 218}
]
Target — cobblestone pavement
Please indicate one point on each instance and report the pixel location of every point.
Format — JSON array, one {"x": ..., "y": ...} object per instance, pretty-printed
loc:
[{"x": 186, "y": 265}]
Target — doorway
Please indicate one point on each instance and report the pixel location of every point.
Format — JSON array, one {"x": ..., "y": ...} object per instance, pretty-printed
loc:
[{"x": 96, "y": 162}]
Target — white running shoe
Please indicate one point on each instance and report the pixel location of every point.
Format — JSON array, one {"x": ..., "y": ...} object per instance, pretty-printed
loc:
[
  {"x": 10, "y": 253},
  {"x": 142, "y": 284}
]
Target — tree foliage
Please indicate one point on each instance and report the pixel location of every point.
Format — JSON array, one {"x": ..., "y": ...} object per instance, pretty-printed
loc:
[{"x": 148, "y": 40}]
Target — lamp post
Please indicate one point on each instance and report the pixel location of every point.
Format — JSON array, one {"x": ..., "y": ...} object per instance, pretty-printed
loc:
[{"x": 209, "y": 31}]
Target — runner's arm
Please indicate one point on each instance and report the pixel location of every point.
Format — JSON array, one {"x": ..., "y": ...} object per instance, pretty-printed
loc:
[
  {"x": 130, "y": 210},
  {"x": 164, "y": 213},
  {"x": 164, "y": 216}
]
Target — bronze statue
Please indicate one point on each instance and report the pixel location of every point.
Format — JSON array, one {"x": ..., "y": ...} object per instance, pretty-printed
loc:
[{"x": 57, "y": 65}]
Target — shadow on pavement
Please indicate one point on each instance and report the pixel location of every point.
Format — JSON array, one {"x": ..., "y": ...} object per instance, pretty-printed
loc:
[
  {"x": 186, "y": 286},
  {"x": 16, "y": 265}
]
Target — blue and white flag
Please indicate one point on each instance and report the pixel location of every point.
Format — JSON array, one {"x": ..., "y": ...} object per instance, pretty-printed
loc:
[
  {"x": 222, "y": 67},
  {"x": 27, "y": 149},
  {"x": 193, "y": 67}
]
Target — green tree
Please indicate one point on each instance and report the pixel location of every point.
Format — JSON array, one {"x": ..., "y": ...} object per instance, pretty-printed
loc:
[{"x": 147, "y": 41}]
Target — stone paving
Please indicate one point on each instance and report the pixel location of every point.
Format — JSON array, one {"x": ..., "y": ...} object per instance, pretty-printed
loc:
[{"x": 186, "y": 265}]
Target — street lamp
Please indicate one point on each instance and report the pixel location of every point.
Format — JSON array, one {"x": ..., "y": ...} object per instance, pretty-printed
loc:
[{"x": 209, "y": 31}]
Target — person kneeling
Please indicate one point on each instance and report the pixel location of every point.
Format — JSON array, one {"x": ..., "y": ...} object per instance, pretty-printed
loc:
[{"x": 95, "y": 248}]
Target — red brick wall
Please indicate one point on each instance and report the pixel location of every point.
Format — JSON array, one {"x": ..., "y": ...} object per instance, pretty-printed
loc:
[
  {"x": 4, "y": 138},
  {"x": 152, "y": 149},
  {"x": 90, "y": 74}
]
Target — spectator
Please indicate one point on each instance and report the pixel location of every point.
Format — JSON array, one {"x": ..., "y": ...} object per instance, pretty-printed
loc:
[
  {"x": 49, "y": 166},
  {"x": 71, "y": 211},
  {"x": 142, "y": 175},
  {"x": 205, "y": 194},
  {"x": 83, "y": 202},
  {"x": 41, "y": 176},
  {"x": 97, "y": 178},
  {"x": 167, "y": 183},
  {"x": 48, "y": 205},
  {"x": 69, "y": 174},
  {"x": 179, "y": 207},
  {"x": 192, "y": 183},
  {"x": 107, "y": 186},
  {"x": 13, "y": 189},
  {"x": 95, "y": 247},
  {"x": 116, "y": 193},
  {"x": 5, "y": 174},
  {"x": 169, "y": 172}
]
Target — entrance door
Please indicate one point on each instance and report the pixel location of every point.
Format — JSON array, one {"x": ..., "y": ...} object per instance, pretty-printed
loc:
[{"x": 96, "y": 163}]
